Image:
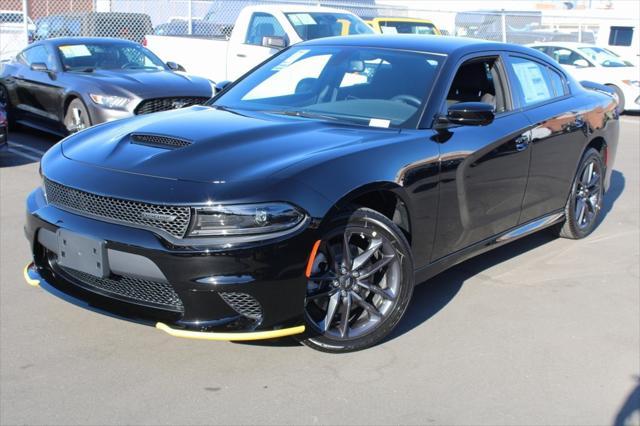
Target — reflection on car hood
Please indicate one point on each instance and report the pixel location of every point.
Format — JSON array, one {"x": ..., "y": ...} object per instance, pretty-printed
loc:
[
  {"x": 158, "y": 83},
  {"x": 224, "y": 146}
]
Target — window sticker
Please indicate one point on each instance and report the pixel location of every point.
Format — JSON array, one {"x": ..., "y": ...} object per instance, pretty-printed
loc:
[
  {"x": 532, "y": 81},
  {"x": 379, "y": 122},
  {"x": 302, "y": 19},
  {"x": 290, "y": 60},
  {"x": 75, "y": 51}
]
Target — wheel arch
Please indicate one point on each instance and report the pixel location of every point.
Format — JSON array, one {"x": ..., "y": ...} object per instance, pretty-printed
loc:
[{"x": 387, "y": 198}]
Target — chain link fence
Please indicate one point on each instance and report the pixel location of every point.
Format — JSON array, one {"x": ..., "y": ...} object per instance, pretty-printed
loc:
[{"x": 134, "y": 19}]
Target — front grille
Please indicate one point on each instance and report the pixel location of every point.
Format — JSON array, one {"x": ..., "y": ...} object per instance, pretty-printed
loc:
[
  {"x": 159, "y": 141},
  {"x": 173, "y": 220},
  {"x": 243, "y": 304},
  {"x": 164, "y": 104},
  {"x": 144, "y": 292}
]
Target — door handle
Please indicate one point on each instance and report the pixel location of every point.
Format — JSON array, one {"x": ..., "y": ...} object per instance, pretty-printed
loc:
[
  {"x": 523, "y": 141},
  {"x": 241, "y": 55}
]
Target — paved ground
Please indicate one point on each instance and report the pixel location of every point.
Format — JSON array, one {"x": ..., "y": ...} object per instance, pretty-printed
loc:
[{"x": 544, "y": 331}]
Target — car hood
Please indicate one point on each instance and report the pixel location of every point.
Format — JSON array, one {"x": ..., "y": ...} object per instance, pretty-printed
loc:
[
  {"x": 223, "y": 146},
  {"x": 149, "y": 83}
]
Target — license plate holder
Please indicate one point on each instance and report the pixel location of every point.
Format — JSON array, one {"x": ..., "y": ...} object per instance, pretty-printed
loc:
[{"x": 82, "y": 253}]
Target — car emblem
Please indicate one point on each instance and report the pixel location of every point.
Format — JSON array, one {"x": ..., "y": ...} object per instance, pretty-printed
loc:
[
  {"x": 178, "y": 104},
  {"x": 160, "y": 217}
]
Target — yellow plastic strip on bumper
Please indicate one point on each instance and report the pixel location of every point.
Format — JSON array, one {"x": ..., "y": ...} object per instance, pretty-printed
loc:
[
  {"x": 236, "y": 337},
  {"x": 32, "y": 282}
]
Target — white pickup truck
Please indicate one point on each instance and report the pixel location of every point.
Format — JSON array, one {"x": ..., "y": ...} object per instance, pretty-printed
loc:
[{"x": 258, "y": 33}]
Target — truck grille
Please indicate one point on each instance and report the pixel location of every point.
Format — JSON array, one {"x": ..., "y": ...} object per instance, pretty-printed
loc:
[
  {"x": 164, "y": 104},
  {"x": 243, "y": 304},
  {"x": 173, "y": 220},
  {"x": 149, "y": 293}
]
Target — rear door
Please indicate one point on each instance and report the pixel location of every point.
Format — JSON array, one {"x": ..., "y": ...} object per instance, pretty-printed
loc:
[
  {"x": 558, "y": 133},
  {"x": 484, "y": 169}
]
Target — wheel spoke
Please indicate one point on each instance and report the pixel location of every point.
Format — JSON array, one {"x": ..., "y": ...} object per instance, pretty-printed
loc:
[
  {"x": 586, "y": 174},
  {"x": 344, "y": 319},
  {"x": 593, "y": 183},
  {"x": 331, "y": 311},
  {"x": 346, "y": 250},
  {"x": 581, "y": 210},
  {"x": 366, "y": 305},
  {"x": 361, "y": 259},
  {"x": 328, "y": 292},
  {"x": 376, "y": 266},
  {"x": 376, "y": 290}
]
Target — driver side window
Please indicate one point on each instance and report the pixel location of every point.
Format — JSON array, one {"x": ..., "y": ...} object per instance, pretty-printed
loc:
[
  {"x": 263, "y": 25},
  {"x": 479, "y": 80}
]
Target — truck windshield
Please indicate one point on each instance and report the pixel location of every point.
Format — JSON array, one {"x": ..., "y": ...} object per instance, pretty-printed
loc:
[
  {"x": 364, "y": 86},
  {"x": 89, "y": 57},
  {"x": 311, "y": 25}
]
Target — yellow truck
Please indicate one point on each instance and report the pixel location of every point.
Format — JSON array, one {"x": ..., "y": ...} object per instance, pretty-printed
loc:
[{"x": 384, "y": 25}]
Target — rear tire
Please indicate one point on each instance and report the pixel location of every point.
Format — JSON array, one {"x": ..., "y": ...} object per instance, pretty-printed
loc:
[
  {"x": 585, "y": 200},
  {"x": 76, "y": 118},
  {"x": 357, "y": 299}
]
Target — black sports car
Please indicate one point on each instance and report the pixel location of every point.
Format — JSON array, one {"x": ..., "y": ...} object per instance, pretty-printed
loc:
[
  {"x": 67, "y": 84},
  {"x": 309, "y": 197}
]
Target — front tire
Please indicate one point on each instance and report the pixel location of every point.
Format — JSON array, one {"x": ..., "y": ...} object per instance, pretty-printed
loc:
[
  {"x": 76, "y": 118},
  {"x": 585, "y": 201},
  {"x": 360, "y": 284}
]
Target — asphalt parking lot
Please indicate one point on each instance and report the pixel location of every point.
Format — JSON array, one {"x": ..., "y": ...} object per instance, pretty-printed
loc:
[{"x": 543, "y": 331}]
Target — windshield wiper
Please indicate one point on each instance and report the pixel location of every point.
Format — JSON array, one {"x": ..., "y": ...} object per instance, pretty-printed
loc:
[{"x": 304, "y": 114}]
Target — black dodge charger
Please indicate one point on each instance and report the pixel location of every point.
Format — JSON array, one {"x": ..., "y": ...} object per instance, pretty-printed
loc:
[
  {"x": 64, "y": 85},
  {"x": 308, "y": 197}
]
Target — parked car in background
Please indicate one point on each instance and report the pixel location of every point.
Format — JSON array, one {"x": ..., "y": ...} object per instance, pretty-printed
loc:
[
  {"x": 388, "y": 25},
  {"x": 621, "y": 37},
  {"x": 199, "y": 28},
  {"x": 4, "y": 126},
  {"x": 310, "y": 196},
  {"x": 520, "y": 27},
  {"x": 124, "y": 25},
  {"x": 67, "y": 84},
  {"x": 600, "y": 65},
  {"x": 14, "y": 19},
  {"x": 258, "y": 33}
]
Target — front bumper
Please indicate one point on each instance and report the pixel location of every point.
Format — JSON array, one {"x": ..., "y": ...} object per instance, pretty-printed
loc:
[{"x": 243, "y": 292}]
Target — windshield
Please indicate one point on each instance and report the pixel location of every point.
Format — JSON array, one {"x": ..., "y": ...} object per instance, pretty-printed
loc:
[
  {"x": 102, "y": 56},
  {"x": 604, "y": 57},
  {"x": 398, "y": 27},
  {"x": 321, "y": 24},
  {"x": 365, "y": 86}
]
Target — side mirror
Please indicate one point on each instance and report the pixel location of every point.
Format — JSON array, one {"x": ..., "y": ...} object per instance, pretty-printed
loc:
[
  {"x": 39, "y": 66},
  {"x": 221, "y": 86},
  {"x": 175, "y": 67},
  {"x": 274, "y": 42},
  {"x": 581, "y": 63},
  {"x": 471, "y": 114}
]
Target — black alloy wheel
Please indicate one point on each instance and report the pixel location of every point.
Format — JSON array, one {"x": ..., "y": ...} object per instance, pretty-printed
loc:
[
  {"x": 360, "y": 285},
  {"x": 585, "y": 201}
]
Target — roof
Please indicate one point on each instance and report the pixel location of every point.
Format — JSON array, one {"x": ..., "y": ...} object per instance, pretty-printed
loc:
[
  {"x": 60, "y": 41},
  {"x": 423, "y": 43}
]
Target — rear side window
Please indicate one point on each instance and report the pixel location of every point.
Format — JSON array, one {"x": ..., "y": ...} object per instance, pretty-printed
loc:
[
  {"x": 37, "y": 54},
  {"x": 533, "y": 81},
  {"x": 620, "y": 36},
  {"x": 263, "y": 25}
]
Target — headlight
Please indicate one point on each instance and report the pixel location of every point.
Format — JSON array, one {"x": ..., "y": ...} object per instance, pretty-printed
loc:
[
  {"x": 113, "y": 102},
  {"x": 245, "y": 219},
  {"x": 635, "y": 83}
]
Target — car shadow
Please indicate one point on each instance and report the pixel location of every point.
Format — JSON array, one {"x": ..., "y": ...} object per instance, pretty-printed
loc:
[
  {"x": 432, "y": 296},
  {"x": 25, "y": 146}
]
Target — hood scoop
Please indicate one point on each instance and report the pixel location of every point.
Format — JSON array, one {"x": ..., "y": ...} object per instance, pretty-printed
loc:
[{"x": 159, "y": 141}]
